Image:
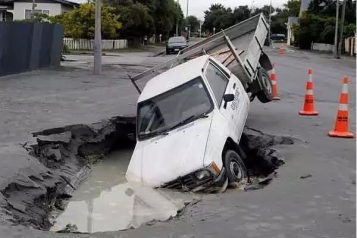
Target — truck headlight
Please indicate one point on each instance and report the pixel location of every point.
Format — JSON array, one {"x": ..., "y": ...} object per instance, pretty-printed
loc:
[
  {"x": 202, "y": 174},
  {"x": 214, "y": 168}
]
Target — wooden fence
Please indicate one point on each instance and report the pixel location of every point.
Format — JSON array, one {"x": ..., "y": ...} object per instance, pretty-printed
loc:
[
  {"x": 350, "y": 45},
  {"x": 85, "y": 44}
]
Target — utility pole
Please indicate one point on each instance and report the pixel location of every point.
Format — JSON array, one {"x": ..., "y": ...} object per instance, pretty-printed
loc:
[
  {"x": 270, "y": 20},
  {"x": 33, "y": 9},
  {"x": 188, "y": 27},
  {"x": 187, "y": 9},
  {"x": 336, "y": 30},
  {"x": 97, "y": 39},
  {"x": 341, "y": 28},
  {"x": 200, "y": 29},
  {"x": 177, "y": 22}
]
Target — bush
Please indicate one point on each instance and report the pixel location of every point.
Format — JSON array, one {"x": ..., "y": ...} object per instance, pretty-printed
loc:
[
  {"x": 349, "y": 30},
  {"x": 313, "y": 28},
  {"x": 65, "y": 49}
]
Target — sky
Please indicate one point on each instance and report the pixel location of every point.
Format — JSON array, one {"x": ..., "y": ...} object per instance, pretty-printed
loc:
[{"x": 197, "y": 7}]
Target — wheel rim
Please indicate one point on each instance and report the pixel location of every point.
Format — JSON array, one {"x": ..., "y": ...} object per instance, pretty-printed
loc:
[
  {"x": 266, "y": 81},
  {"x": 236, "y": 171}
]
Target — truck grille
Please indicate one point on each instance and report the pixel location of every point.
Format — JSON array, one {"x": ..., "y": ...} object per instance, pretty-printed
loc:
[{"x": 185, "y": 183}]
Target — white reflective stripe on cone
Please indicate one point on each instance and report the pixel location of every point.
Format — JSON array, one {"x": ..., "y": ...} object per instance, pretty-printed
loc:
[
  {"x": 344, "y": 88},
  {"x": 310, "y": 77},
  {"x": 309, "y": 92},
  {"x": 273, "y": 82},
  {"x": 343, "y": 107}
]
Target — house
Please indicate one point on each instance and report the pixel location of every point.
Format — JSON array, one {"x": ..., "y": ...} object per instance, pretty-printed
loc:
[
  {"x": 22, "y": 9},
  {"x": 295, "y": 20},
  {"x": 291, "y": 21}
]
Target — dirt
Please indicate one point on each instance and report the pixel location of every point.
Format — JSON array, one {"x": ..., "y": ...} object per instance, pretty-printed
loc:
[{"x": 69, "y": 152}]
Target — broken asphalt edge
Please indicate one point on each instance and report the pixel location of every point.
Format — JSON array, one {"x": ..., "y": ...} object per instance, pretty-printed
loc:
[{"x": 67, "y": 153}]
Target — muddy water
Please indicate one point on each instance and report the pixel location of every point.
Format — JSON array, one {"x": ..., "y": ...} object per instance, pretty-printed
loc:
[{"x": 107, "y": 202}]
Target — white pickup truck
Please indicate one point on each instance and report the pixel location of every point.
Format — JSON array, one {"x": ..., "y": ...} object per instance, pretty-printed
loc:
[{"x": 190, "y": 118}]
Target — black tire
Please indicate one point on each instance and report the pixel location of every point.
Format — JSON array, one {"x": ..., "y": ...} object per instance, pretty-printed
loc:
[
  {"x": 236, "y": 170},
  {"x": 167, "y": 52},
  {"x": 266, "y": 94}
]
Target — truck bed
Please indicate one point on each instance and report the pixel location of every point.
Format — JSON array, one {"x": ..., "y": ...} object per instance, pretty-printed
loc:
[{"x": 246, "y": 37}]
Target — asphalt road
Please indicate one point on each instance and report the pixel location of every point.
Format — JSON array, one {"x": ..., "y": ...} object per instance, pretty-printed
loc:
[{"x": 322, "y": 205}]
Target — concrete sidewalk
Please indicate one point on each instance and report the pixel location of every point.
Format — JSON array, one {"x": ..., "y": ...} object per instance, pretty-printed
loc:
[{"x": 72, "y": 94}]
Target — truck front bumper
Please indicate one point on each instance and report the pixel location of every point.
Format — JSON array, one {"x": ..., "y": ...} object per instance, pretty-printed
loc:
[{"x": 192, "y": 182}]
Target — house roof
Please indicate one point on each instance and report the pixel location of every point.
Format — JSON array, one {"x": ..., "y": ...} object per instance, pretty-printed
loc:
[{"x": 64, "y": 2}]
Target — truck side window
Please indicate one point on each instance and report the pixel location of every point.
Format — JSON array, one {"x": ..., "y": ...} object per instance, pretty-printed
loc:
[{"x": 218, "y": 82}]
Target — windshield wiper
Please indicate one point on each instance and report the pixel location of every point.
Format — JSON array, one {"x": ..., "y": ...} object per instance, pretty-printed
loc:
[
  {"x": 155, "y": 133},
  {"x": 189, "y": 119}
]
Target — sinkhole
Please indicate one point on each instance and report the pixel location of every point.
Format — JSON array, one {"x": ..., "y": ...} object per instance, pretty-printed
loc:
[{"x": 82, "y": 185}]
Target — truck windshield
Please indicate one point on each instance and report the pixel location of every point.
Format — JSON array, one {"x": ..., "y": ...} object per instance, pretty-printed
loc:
[{"x": 172, "y": 109}]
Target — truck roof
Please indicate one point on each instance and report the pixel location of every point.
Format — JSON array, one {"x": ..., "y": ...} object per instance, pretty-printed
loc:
[{"x": 173, "y": 78}]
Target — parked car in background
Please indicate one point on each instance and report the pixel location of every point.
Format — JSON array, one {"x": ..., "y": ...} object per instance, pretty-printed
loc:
[
  {"x": 277, "y": 37},
  {"x": 175, "y": 44}
]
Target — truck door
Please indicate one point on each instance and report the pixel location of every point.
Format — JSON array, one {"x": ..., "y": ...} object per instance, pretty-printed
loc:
[
  {"x": 224, "y": 123},
  {"x": 221, "y": 83}
]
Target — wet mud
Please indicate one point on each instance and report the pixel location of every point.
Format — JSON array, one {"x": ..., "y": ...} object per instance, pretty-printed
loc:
[
  {"x": 106, "y": 201},
  {"x": 67, "y": 154}
]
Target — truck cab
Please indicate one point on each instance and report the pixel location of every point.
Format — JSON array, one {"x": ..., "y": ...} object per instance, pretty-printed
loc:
[{"x": 189, "y": 123}]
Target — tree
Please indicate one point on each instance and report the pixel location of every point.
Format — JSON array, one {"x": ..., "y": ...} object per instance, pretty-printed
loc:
[
  {"x": 218, "y": 17},
  {"x": 193, "y": 22},
  {"x": 327, "y": 8},
  {"x": 293, "y": 7},
  {"x": 180, "y": 19},
  {"x": 79, "y": 23},
  {"x": 265, "y": 9},
  {"x": 317, "y": 24},
  {"x": 280, "y": 18},
  {"x": 239, "y": 14},
  {"x": 136, "y": 21},
  {"x": 166, "y": 15}
]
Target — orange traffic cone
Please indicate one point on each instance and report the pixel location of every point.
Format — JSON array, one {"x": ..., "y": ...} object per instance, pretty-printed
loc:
[
  {"x": 273, "y": 81},
  {"x": 281, "y": 49},
  {"x": 309, "y": 109},
  {"x": 341, "y": 124}
]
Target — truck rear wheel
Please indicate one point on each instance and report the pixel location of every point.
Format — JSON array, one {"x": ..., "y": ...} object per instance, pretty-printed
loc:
[
  {"x": 236, "y": 170},
  {"x": 266, "y": 94}
]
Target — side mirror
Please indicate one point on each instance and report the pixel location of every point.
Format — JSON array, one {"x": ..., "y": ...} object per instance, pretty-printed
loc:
[{"x": 227, "y": 98}]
